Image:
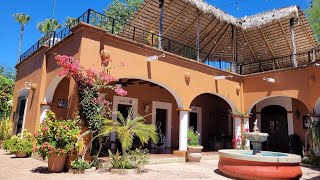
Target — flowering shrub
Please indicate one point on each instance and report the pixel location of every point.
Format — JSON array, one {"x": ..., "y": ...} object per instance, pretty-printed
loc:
[
  {"x": 89, "y": 82},
  {"x": 193, "y": 137},
  {"x": 239, "y": 143},
  {"x": 56, "y": 136}
]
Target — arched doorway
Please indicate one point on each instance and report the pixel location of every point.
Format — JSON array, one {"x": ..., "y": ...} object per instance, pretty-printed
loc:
[
  {"x": 274, "y": 122},
  {"x": 210, "y": 115},
  {"x": 154, "y": 101}
]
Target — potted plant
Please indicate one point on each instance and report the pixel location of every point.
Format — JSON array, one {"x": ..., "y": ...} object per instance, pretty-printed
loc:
[
  {"x": 194, "y": 149},
  {"x": 21, "y": 144},
  {"x": 79, "y": 165},
  {"x": 54, "y": 139}
]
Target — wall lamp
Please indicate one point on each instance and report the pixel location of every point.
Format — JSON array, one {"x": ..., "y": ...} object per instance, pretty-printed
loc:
[
  {"x": 31, "y": 86},
  {"x": 270, "y": 80},
  {"x": 155, "y": 57},
  {"x": 222, "y": 77}
]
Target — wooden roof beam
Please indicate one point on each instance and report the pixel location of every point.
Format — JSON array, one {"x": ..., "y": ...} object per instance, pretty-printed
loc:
[
  {"x": 284, "y": 34},
  {"x": 305, "y": 30},
  {"x": 177, "y": 18},
  {"x": 135, "y": 17},
  {"x": 269, "y": 46},
  {"x": 212, "y": 39},
  {"x": 157, "y": 20},
  {"x": 191, "y": 25},
  {"x": 216, "y": 45},
  {"x": 204, "y": 30},
  {"x": 246, "y": 39}
]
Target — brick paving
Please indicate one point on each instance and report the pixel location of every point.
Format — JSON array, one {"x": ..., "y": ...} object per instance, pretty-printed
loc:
[{"x": 29, "y": 168}]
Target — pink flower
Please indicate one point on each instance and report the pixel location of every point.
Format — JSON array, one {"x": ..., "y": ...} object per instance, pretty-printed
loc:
[
  {"x": 246, "y": 130},
  {"x": 120, "y": 91},
  {"x": 239, "y": 139},
  {"x": 44, "y": 129}
]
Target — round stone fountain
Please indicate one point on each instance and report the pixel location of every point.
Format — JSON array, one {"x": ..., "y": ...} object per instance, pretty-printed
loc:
[{"x": 257, "y": 164}]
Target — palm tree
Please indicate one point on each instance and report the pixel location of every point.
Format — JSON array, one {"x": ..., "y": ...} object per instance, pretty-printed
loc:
[
  {"x": 48, "y": 25},
  {"x": 22, "y": 19},
  {"x": 69, "y": 20},
  {"x": 128, "y": 128}
]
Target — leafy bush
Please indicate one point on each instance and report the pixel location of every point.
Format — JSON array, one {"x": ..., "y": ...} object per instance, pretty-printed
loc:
[
  {"x": 133, "y": 159},
  {"x": 5, "y": 129},
  {"x": 311, "y": 158},
  {"x": 80, "y": 164},
  {"x": 19, "y": 143},
  {"x": 193, "y": 137},
  {"x": 56, "y": 136},
  {"x": 7, "y": 145},
  {"x": 22, "y": 143}
]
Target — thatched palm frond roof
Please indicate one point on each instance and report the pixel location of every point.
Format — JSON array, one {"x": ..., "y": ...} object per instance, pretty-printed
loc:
[{"x": 258, "y": 37}]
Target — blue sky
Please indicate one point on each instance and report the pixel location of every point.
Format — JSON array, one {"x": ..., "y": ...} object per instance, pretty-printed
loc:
[{"x": 41, "y": 9}]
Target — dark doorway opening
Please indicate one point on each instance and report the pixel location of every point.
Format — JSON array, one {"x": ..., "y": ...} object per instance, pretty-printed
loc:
[
  {"x": 161, "y": 124},
  {"x": 124, "y": 110},
  {"x": 274, "y": 122},
  {"x": 193, "y": 121},
  {"x": 21, "y": 111}
]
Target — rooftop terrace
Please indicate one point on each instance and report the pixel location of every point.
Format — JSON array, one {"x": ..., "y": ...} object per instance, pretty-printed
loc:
[{"x": 223, "y": 50}]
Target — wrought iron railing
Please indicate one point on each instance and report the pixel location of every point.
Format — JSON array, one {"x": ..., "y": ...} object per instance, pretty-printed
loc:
[
  {"x": 302, "y": 58},
  {"x": 116, "y": 27}
]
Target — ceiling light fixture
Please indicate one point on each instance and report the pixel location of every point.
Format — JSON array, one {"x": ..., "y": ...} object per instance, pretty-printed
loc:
[
  {"x": 155, "y": 57},
  {"x": 222, "y": 77},
  {"x": 270, "y": 80}
]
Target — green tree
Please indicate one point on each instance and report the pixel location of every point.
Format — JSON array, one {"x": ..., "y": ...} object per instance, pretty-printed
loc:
[
  {"x": 121, "y": 10},
  {"x": 313, "y": 14},
  {"x": 6, "y": 94},
  {"x": 23, "y": 20},
  {"x": 128, "y": 128},
  {"x": 48, "y": 25}
]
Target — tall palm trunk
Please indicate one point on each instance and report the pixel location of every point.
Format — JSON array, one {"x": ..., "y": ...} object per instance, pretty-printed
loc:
[{"x": 20, "y": 43}]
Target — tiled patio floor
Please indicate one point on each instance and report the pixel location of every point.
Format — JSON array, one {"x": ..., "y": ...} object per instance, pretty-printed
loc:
[{"x": 28, "y": 168}]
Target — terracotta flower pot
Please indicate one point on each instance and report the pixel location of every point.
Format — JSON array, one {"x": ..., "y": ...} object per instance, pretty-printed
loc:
[
  {"x": 194, "y": 153},
  {"x": 21, "y": 154},
  {"x": 1, "y": 144},
  {"x": 56, "y": 163}
]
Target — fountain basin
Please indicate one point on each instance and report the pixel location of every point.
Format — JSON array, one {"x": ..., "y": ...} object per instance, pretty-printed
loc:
[{"x": 267, "y": 165}]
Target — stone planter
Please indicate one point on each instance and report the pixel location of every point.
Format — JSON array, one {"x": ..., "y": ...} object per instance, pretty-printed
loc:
[
  {"x": 56, "y": 163},
  {"x": 194, "y": 153},
  {"x": 21, "y": 154}
]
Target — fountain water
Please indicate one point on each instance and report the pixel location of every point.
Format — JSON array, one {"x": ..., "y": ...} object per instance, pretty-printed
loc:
[{"x": 257, "y": 164}]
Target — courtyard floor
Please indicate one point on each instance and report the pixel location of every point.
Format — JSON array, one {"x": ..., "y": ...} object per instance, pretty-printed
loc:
[{"x": 29, "y": 168}]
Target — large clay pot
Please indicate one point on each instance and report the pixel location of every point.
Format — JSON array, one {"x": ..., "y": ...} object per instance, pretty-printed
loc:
[
  {"x": 21, "y": 154},
  {"x": 56, "y": 163},
  {"x": 194, "y": 153}
]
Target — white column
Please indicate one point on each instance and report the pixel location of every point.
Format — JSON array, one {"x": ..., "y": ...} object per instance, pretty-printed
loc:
[
  {"x": 44, "y": 109},
  {"x": 258, "y": 117},
  {"x": 290, "y": 123},
  {"x": 183, "y": 130},
  {"x": 246, "y": 126},
  {"x": 236, "y": 127}
]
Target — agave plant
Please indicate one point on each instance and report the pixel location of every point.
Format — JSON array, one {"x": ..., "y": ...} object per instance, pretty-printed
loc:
[{"x": 128, "y": 128}]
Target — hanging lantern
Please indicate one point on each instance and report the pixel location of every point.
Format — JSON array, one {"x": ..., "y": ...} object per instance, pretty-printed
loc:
[{"x": 104, "y": 54}]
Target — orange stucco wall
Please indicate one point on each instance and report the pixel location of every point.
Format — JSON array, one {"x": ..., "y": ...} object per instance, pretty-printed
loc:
[{"x": 241, "y": 92}]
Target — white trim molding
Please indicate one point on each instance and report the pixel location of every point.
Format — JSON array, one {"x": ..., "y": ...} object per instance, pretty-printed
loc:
[{"x": 168, "y": 106}]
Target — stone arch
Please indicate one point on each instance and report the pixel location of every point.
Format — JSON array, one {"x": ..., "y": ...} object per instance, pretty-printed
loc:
[
  {"x": 316, "y": 108},
  {"x": 226, "y": 99},
  {"x": 49, "y": 93},
  {"x": 174, "y": 93}
]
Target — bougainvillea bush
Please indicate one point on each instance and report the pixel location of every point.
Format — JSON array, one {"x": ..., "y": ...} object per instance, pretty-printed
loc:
[
  {"x": 89, "y": 82},
  {"x": 56, "y": 136}
]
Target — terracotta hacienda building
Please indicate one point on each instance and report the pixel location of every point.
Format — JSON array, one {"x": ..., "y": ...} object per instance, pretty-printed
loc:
[{"x": 188, "y": 63}]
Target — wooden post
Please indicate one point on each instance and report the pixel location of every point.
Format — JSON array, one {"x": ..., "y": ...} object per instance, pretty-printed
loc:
[
  {"x": 198, "y": 35},
  {"x": 161, "y": 3},
  {"x": 294, "y": 51}
]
